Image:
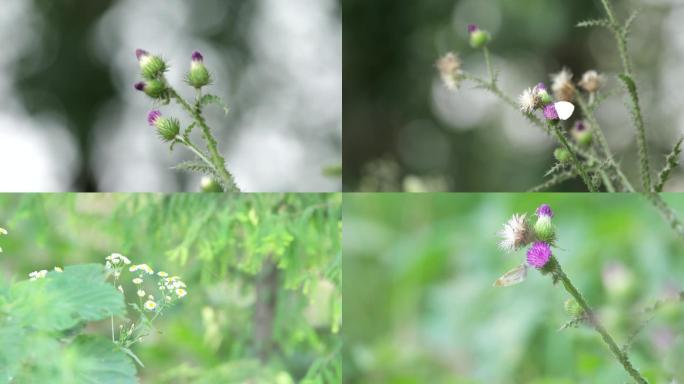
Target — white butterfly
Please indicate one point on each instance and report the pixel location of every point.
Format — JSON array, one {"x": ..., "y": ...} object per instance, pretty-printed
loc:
[
  {"x": 564, "y": 109},
  {"x": 512, "y": 277}
]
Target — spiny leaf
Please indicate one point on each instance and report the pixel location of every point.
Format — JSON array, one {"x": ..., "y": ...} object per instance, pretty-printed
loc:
[
  {"x": 594, "y": 23},
  {"x": 575, "y": 322},
  {"x": 213, "y": 99},
  {"x": 555, "y": 180},
  {"x": 630, "y": 20},
  {"x": 195, "y": 166},
  {"x": 557, "y": 168},
  {"x": 671, "y": 161}
]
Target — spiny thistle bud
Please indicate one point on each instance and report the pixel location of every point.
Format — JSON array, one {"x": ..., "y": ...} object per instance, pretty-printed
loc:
[
  {"x": 562, "y": 86},
  {"x": 543, "y": 228},
  {"x": 155, "y": 89},
  {"x": 198, "y": 76},
  {"x": 582, "y": 133},
  {"x": 573, "y": 308},
  {"x": 562, "y": 155},
  {"x": 478, "y": 37},
  {"x": 591, "y": 81},
  {"x": 515, "y": 234},
  {"x": 449, "y": 67},
  {"x": 167, "y": 128},
  {"x": 209, "y": 184},
  {"x": 538, "y": 254},
  {"x": 151, "y": 66}
]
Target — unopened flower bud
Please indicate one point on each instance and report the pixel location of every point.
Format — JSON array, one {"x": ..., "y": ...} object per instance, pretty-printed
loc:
[
  {"x": 209, "y": 184},
  {"x": 543, "y": 95},
  {"x": 591, "y": 81},
  {"x": 155, "y": 89},
  {"x": 543, "y": 228},
  {"x": 167, "y": 128},
  {"x": 562, "y": 155},
  {"x": 198, "y": 76},
  {"x": 151, "y": 66},
  {"x": 573, "y": 308},
  {"x": 582, "y": 134},
  {"x": 478, "y": 37}
]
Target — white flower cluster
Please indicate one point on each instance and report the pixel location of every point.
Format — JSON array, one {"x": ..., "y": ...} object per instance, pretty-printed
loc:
[
  {"x": 116, "y": 259},
  {"x": 173, "y": 285},
  {"x": 35, "y": 275}
]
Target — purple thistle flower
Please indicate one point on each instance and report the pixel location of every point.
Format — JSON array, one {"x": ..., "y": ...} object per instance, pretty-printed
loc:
[
  {"x": 550, "y": 112},
  {"x": 472, "y": 28},
  {"x": 539, "y": 254},
  {"x": 153, "y": 116},
  {"x": 139, "y": 86},
  {"x": 540, "y": 87},
  {"x": 579, "y": 126},
  {"x": 140, "y": 53},
  {"x": 196, "y": 56},
  {"x": 544, "y": 210}
]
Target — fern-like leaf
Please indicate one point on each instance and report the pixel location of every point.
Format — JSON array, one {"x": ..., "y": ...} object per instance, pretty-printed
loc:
[
  {"x": 213, "y": 99},
  {"x": 195, "y": 166},
  {"x": 594, "y": 23},
  {"x": 671, "y": 161}
]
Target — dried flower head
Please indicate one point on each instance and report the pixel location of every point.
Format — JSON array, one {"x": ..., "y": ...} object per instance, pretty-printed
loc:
[
  {"x": 591, "y": 81},
  {"x": 528, "y": 100},
  {"x": 515, "y": 234},
  {"x": 538, "y": 254},
  {"x": 449, "y": 67},
  {"x": 562, "y": 86}
]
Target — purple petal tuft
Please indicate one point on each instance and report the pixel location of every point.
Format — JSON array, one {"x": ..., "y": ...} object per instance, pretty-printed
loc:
[
  {"x": 153, "y": 116},
  {"x": 196, "y": 56},
  {"x": 579, "y": 126},
  {"x": 140, "y": 86},
  {"x": 140, "y": 53},
  {"x": 550, "y": 112},
  {"x": 538, "y": 255},
  {"x": 540, "y": 87},
  {"x": 472, "y": 28},
  {"x": 544, "y": 210}
]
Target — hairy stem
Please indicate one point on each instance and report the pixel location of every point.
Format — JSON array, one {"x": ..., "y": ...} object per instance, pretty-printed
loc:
[
  {"x": 603, "y": 143},
  {"x": 488, "y": 62},
  {"x": 185, "y": 141},
  {"x": 622, "y": 357},
  {"x": 217, "y": 161},
  {"x": 578, "y": 165}
]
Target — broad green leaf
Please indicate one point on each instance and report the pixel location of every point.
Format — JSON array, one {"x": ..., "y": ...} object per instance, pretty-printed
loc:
[
  {"x": 93, "y": 360},
  {"x": 63, "y": 300}
]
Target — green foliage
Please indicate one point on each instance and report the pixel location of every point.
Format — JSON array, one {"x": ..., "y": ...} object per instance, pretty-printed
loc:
[
  {"x": 594, "y": 23},
  {"x": 40, "y": 323},
  {"x": 671, "y": 162},
  {"x": 208, "y": 99}
]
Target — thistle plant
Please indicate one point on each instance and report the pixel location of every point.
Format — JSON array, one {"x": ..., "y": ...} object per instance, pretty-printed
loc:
[
  {"x": 154, "y": 84},
  {"x": 567, "y": 113},
  {"x": 539, "y": 238}
]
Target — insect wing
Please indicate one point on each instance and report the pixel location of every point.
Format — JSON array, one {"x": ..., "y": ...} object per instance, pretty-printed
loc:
[
  {"x": 514, "y": 276},
  {"x": 564, "y": 109}
]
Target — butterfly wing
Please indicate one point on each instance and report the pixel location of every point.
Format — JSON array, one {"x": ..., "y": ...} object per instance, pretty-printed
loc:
[
  {"x": 514, "y": 276},
  {"x": 564, "y": 109}
]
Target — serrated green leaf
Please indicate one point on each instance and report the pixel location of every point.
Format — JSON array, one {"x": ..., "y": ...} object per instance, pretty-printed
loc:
[
  {"x": 63, "y": 300},
  {"x": 213, "y": 99},
  {"x": 594, "y": 23},
  {"x": 671, "y": 162},
  {"x": 93, "y": 360}
]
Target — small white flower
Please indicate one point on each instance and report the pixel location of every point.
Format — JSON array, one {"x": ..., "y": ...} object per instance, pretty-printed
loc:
[
  {"x": 515, "y": 233},
  {"x": 168, "y": 298},
  {"x": 120, "y": 288},
  {"x": 150, "y": 305},
  {"x": 180, "y": 292},
  {"x": 137, "y": 281},
  {"x": 3, "y": 231},
  {"x": 38, "y": 274},
  {"x": 527, "y": 101},
  {"x": 150, "y": 297},
  {"x": 141, "y": 267},
  {"x": 162, "y": 274},
  {"x": 58, "y": 269},
  {"x": 141, "y": 293}
]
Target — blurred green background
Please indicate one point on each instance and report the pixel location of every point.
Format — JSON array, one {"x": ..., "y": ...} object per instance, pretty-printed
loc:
[
  {"x": 401, "y": 123},
  {"x": 72, "y": 121},
  {"x": 420, "y": 306},
  {"x": 263, "y": 273}
]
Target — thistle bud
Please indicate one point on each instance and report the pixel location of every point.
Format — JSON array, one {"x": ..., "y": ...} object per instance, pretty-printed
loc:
[
  {"x": 167, "y": 128},
  {"x": 151, "y": 66},
  {"x": 562, "y": 155},
  {"x": 209, "y": 185},
  {"x": 542, "y": 94},
  {"x": 478, "y": 37},
  {"x": 582, "y": 134},
  {"x": 155, "y": 89},
  {"x": 543, "y": 228},
  {"x": 198, "y": 76},
  {"x": 573, "y": 308}
]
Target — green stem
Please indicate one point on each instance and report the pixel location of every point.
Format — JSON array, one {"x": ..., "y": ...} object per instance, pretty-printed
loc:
[
  {"x": 488, "y": 62},
  {"x": 195, "y": 150},
  {"x": 218, "y": 162},
  {"x": 578, "y": 165},
  {"x": 622, "y": 357},
  {"x": 603, "y": 143}
]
